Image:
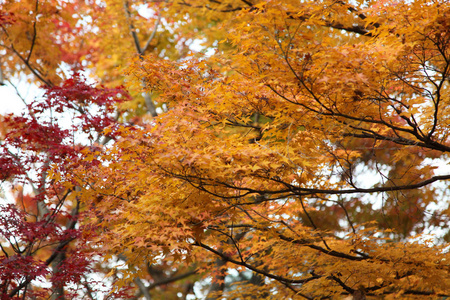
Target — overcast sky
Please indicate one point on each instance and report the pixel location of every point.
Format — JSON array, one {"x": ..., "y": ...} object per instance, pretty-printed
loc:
[{"x": 10, "y": 102}]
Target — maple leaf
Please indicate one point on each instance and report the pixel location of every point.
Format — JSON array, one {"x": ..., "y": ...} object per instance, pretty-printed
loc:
[{"x": 298, "y": 160}]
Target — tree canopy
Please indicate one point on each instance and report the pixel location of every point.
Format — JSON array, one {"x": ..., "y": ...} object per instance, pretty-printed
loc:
[{"x": 304, "y": 153}]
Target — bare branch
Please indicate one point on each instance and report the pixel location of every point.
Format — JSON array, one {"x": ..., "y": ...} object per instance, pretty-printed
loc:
[
  {"x": 33, "y": 41},
  {"x": 131, "y": 26},
  {"x": 152, "y": 35}
]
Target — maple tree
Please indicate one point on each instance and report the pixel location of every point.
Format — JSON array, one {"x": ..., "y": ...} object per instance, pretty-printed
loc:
[
  {"x": 46, "y": 251},
  {"x": 303, "y": 152},
  {"x": 41, "y": 240},
  {"x": 303, "y": 159},
  {"x": 39, "y": 229}
]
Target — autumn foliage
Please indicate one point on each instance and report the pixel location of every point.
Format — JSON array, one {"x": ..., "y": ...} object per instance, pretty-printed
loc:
[{"x": 303, "y": 154}]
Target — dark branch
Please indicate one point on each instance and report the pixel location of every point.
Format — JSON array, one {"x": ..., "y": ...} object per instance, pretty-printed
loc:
[
  {"x": 33, "y": 41},
  {"x": 254, "y": 269}
]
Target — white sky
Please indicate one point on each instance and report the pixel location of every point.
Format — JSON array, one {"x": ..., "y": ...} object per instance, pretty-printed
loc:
[{"x": 10, "y": 102}]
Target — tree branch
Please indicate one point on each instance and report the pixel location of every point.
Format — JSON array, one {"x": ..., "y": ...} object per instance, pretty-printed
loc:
[
  {"x": 33, "y": 41},
  {"x": 152, "y": 35},
  {"x": 131, "y": 26}
]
